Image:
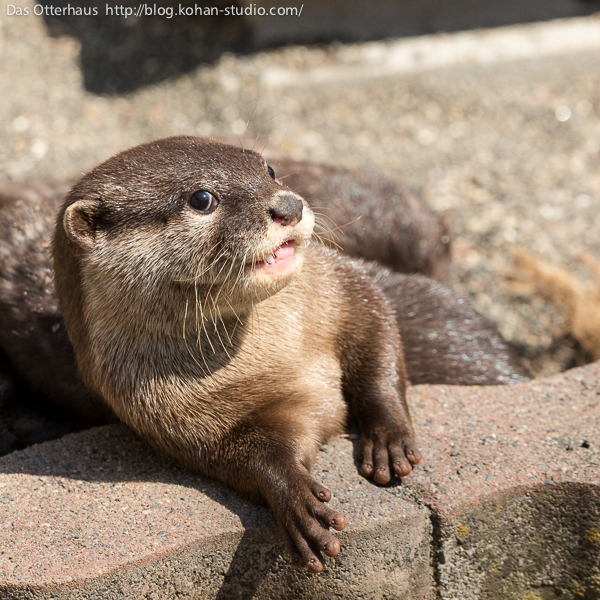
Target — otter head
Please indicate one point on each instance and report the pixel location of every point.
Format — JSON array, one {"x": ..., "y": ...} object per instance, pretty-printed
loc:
[{"x": 183, "y": 220}]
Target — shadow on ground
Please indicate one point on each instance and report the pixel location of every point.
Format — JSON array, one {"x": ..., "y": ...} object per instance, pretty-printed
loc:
[{"x": 120, "y": 54}]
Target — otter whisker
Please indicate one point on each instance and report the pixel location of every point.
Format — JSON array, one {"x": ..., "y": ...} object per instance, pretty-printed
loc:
[
  {"x": 257, "y": 136},
  {"x": 199, "y": 340},
  {"x": 265, "y": 121},
  {"x": 196, "y": 305},
  {"x": 324, "y": 226},
  {"x": 205, "y": 330},
  {"x": 326, "y": 241},
  {"x": 339, "y": 227},
  {"x": 239, "y": 274},
  {"x": 238, "y": 321},
  {"x": 331, "y": 202},
  {"x": 219, "y": 335},
  {"x": 283, "y": 140},
  {"x": 200, "y": 322},
  {"x": 285, "y": 176},
  {"x": 265, "y": 146},
  {"x": 346, "y": 224},
  {"x": 246, "y": 128},
  {"x": 200, "y": 273},
  {"x": 224, "y": 282},
  {"x": 216, "y": 306},
  {"x": 237, "y": 317},
  {"x": 241, "y": 269},
  {"x": 316, "y": 210},
  {"x": 214, "y": 279},
  {"x": 314, "y": 207},
  {"x": 205, "y": 372}
]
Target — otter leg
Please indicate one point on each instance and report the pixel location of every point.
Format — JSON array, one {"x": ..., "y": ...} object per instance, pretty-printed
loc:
[
  {"x": 378, "y": 401},
  {"x": 260, "y": 465},
  {"x": 298, "y": 503},
  {"x": 374, "y": 384}
]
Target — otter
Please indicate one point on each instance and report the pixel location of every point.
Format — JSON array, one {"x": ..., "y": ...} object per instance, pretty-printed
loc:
[
  {"x": 32, "y": 332},
  {"x": 200, "y": 312},
  {"x": 207, "y": 300}
]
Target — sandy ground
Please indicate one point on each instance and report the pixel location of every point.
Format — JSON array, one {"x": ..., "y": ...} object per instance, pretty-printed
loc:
[{"x": 508, "y": 149}]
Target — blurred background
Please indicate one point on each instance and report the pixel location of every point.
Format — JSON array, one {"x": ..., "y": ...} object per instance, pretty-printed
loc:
[{"x": 490, "y": 111}]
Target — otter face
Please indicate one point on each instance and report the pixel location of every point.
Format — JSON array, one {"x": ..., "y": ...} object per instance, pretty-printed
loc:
[{"x": 187, "y": 216}]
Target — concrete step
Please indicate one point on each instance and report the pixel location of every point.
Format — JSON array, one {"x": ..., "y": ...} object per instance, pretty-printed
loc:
[
  {"x": 511, "y": 476},
  {"x": 99, "y": 515},
  {"x": 506, "y": 503}
]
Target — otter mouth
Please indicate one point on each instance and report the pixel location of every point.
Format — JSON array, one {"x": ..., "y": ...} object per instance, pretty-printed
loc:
[{"x": 281, "y": 259}]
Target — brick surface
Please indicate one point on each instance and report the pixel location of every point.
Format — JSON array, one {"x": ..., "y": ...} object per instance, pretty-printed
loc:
[
  {"x": 506, "y": 502},
  {"x": 99, "y": 514},
  {"x": 512, "y": 474}
]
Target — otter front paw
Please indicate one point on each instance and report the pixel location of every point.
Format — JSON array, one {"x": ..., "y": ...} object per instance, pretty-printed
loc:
[
  {"x": 305, "y": 520},
  {"x": 384, "y": 451}
]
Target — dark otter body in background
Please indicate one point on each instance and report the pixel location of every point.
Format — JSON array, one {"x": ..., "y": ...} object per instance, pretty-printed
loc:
[
  {"x": 32, "y": 331},
  {"x": 41, "y": 394},
  {"x": 445, "y": 340},
  {"x": 359, "y": 205}
]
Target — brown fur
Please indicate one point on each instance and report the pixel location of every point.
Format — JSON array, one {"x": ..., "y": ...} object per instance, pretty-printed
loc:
[
  {"x": 562, "y": 289},
  {"x": 444, "y": 340},
  {"x": 228, "y": 378},
  {"x": 359, "y": 206}
]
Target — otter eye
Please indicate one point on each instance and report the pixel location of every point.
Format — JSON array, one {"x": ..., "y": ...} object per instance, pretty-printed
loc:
[
  {"x": 203, "y": 201},
  {"x": 271, "y": 172}
]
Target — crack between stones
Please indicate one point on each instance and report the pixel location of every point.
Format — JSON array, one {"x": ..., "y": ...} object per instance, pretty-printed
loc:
[
  {"x": 437, "y": 551},
  {"x": 437, "y": 556}
]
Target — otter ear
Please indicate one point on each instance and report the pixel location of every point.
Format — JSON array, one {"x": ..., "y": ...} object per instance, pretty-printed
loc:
[{"x": 80, "y": 222}]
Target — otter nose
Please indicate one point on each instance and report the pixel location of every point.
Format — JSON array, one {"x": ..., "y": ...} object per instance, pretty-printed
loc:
[{"x": 288, "y": 210}]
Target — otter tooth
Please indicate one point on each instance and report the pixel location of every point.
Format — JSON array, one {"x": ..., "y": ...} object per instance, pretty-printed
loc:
[{"x": 270, "y": 260}]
